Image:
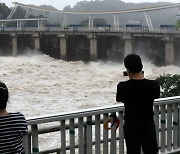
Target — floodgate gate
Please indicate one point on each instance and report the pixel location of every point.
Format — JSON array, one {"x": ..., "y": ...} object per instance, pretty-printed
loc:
[{"x": 82, "y": 131}]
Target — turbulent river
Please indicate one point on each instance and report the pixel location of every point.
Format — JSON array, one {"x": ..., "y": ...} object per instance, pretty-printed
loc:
[{"x": 41, "y": 85}]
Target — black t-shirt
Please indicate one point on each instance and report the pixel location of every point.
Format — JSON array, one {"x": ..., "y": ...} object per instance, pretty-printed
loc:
[{"x": 138, "y": 97}]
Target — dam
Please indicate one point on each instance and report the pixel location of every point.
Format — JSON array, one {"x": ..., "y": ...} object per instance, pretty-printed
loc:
[
  {"x": 97, "y": 44},
  {"x": 93, "y": 42}
]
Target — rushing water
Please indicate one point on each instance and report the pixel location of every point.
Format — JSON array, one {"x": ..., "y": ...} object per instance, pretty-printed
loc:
[{"x": 40, "y": 85}]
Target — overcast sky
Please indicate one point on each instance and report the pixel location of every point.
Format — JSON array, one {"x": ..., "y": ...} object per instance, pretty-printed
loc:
[{"x": 60, "y": 4}]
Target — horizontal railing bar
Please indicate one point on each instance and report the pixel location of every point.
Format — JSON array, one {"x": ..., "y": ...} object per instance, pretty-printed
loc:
[
  {"x": 91, "y": 112},
  {"x": 73, "y": 115},
  {"x": 94, "y": 29},
  {"x": 166, "y": 101},
  {"x": 68, "y": 147},
  {"x": 176, "y": 151},
  {"x": 58, "y": 128}
]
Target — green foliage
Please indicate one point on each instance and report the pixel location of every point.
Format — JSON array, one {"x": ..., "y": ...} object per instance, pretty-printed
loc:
[
  {"x": 170, "y": 85},
  {"x": 178, "y": 25},
  {"x": 4, "y": 10},
  {"x": 20, "y": 13}
]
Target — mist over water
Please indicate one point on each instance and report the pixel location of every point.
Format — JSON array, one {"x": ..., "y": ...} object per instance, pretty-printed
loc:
[{"x": 40, "y": 85}]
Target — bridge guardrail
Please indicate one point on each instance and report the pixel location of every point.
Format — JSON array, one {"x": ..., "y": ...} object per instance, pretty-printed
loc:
[{"x": 96, "y": 29}]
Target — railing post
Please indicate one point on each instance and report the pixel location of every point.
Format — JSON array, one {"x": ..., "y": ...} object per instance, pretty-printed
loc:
[
  {"x": 121, "y": 134},
  {"x": 156, "y": 119},
  {"x": 26, "y": 144},
  {"x": 35, "y": 144},
  {"x": 63, "y": 137},
  {"x": 105, "y": 136},
  {"x": 29, "y": 142},
  {"x": 85, "y": 139},
  {"x": 169, "y": 127},
  {"x": 72, "y": 137},
  {"x": 81, "y": 135},
  {"x": 89, "y": 135},
  {"x": 163, "y": 128},
  {"x": 175, "y": 126},
  {"x": 113, "y": 140},
  {"x": 97, "y": 134}
]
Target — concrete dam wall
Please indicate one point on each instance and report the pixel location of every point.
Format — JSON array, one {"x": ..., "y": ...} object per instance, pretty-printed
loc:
[{"x": 86, "y": 46}]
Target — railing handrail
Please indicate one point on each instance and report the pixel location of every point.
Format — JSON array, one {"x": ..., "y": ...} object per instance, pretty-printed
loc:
[
  {"x": 89, "y": 122},
  {"x": 74, "y": 114},
  {"x": 87, "y": 29},
  {"x": 92, "y": 111},
  {"x": 167, "y": 100}
]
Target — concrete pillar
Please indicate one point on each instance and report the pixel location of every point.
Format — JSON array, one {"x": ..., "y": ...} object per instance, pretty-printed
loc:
[
  {"x": 93, "y": 48},
  {"x": 169, "y": 52},
  {"x": 36, "y": 41},
  {"x": 14, "y": 45},
  {"x": 63, "y": 46},
  {"x": 128, "y": 45},
  {"x": 169, "y": 49}
]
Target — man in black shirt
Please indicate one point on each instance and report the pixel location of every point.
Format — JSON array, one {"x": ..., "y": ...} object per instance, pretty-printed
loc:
[{"x": 138, "y": 95}]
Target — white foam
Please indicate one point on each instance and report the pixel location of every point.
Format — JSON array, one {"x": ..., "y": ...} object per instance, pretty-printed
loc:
[{"x": 41, "y": 85}]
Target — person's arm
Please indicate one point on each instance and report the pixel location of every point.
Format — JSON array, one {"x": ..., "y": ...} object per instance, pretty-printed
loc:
[
  {"x": 23, "y": 128},
  {"x": 119, "y": 93}
]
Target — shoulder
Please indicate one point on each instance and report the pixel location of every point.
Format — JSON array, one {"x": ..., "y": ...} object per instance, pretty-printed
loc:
[
  {"x": 17, "y": 115},
  {"x": 123, "y": 83},
  {"x": 154, "y": 86},
  {"x": 152, "y": 82}
]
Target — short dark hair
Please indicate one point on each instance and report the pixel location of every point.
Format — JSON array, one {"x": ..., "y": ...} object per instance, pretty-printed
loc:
[
  {"x": 4, "y": 95},
  {"x": 133, "y": 63}
]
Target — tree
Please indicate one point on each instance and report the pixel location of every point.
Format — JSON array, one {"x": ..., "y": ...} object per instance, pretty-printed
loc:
[
  {"x": 67, "y": 8},
  {"x": 170, "y": 85},
  {"x": 178, "y": 25},
  {"x": 4, "y": 10}
]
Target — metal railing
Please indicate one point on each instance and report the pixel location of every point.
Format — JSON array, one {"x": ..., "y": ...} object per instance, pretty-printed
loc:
[
  {"x": 82, "y": 132},
  {"x": 87, "y": 29}
]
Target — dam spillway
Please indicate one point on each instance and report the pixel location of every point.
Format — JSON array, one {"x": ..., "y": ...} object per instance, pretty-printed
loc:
[{"x": 96, "y": 44}]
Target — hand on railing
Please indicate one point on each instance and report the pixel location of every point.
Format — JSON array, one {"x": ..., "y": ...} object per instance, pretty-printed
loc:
[{"x": 114, "y": 122}]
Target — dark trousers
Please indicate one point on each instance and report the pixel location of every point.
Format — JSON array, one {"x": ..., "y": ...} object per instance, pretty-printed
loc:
[{"x": 141, "y": 138}]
